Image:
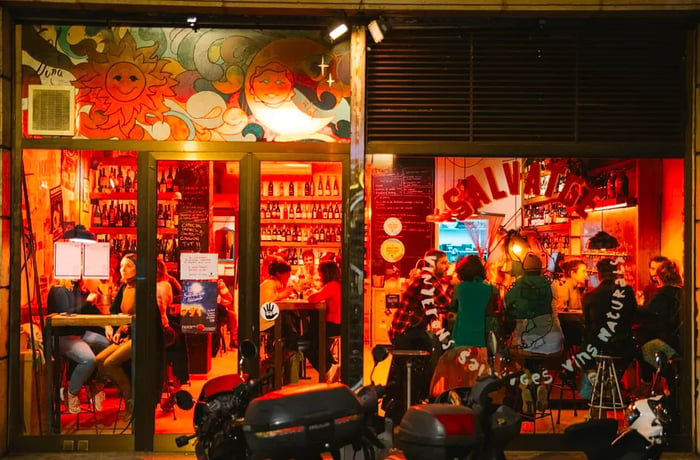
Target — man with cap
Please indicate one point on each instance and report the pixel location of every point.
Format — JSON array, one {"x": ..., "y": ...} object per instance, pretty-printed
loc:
[
  {"x": 608, "y": 312},
  {"x": 529, "y": 303}
]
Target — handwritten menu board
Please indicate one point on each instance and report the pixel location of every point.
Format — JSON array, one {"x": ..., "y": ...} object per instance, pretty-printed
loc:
[
  {"x": 402, "y": 197},
  {"x": 193, "y": 230}
]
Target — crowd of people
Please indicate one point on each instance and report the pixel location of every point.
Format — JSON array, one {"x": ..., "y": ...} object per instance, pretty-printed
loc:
[{"x": 441, "y": 311}]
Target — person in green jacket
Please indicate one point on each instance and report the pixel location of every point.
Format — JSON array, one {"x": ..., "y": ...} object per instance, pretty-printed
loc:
[{"x": 473, "y": 301}]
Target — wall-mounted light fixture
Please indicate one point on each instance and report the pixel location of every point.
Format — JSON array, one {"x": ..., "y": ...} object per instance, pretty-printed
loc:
[
  {"x": 192, "y": 22},
  {"x": 377, "y": 27},
  {"x": 337, "y": 30}
]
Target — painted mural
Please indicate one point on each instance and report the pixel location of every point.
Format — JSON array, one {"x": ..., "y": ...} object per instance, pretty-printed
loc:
[{"x": 194, "y": 85}]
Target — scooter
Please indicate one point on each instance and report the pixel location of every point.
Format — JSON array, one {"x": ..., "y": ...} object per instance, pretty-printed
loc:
[
  {"x": 469, "y": 426},
  {"x": 233, "y": 420},
  {"x": 219, "y": 412},
  {"x": 648, "y": 421}
]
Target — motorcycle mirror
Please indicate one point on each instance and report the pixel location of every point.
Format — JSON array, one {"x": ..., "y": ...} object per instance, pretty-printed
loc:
[
  {"x": 379, "y": 353},
  {"x": 184, "y": 400},
  {"x": 247, "y": 349}
]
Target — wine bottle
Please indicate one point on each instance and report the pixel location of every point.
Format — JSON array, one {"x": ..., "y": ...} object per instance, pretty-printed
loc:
[
  {"x": 336, "y": 190},
  {"x": 169, "y": 180},
  {"x": 307, "y": 188},
  {"x": 163, "y": 182},
  {"x": 270, "y": 189},
  {"x": 96, "y": 216},
  {"x": 328, "y": 186},
  {"x": 319, "y": 187},
  {"x": 291, "y": 188}
]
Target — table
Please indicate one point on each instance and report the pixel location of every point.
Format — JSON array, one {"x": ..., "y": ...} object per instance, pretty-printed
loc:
[
  {"x": 300, "y": 305},
  {"x": 53, "y": 384}
]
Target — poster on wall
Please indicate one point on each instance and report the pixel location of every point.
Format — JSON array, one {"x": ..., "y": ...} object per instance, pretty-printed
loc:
[
  {"x": 69, "y": 169},
  {"x": 198, "y": 306},
  {"x": 56, "y": 195}
]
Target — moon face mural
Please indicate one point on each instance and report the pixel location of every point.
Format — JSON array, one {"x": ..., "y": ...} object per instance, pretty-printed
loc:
[{"x": 289, "y": 93}]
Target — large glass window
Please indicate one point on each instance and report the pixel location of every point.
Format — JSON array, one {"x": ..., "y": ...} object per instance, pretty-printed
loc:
[{"x": 565, "y": 260}]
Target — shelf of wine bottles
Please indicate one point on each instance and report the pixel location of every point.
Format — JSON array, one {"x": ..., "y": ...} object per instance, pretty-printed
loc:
[
  {"x": 306, "y": 234},
  {"x": 309, "y": 211}
]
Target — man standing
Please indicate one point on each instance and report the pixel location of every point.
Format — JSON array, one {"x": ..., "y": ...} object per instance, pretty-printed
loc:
[{"x": 420, "y": 308}]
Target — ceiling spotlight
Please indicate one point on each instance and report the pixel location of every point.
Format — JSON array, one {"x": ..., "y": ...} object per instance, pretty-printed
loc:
[
  {"x": 337, "y": 31},
  {"x": 376, "y": 28},
  {"x": 192, "y": 21}
]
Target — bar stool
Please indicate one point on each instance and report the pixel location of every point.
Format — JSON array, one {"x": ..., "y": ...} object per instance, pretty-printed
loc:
[
  {"x": 409, "y": 355},
  {"x": 606, "y": 394}
]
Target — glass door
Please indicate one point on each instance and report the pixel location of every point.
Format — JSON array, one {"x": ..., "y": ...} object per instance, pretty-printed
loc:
[
  {"x": 301, "y": 228},
  {"x": 197, "y": 222}
]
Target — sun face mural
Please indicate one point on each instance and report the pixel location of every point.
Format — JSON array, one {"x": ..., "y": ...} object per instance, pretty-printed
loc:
[
  {"x": 123, "y": 90},
  {"x": 205, "y": 85}
]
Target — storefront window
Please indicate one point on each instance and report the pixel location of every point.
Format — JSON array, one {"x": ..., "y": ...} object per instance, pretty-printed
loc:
[{"x": 565, "y": 260}]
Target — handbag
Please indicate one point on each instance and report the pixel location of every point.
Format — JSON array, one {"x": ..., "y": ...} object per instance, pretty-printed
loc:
[{"x": 538, "y": 336}]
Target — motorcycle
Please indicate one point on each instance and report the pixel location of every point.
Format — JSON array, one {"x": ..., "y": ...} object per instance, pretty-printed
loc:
[
  {"x": 219, "y": 411},
  {"x": 648, "y": 421},
  {"x": 233, "y": 420},
  {"x": 464, "y": 423}
]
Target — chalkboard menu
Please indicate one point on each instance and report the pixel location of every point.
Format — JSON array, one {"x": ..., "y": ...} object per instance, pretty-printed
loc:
[
  {"x": 402, "y": 197},
  {"x": 193, "y": 230}
]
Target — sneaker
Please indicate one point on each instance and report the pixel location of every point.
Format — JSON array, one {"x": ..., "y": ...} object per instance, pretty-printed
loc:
[
  {"x": 71, "y": 401},
  {"x": 98, "y": 399},
  {"x": 333, "y": 374}
]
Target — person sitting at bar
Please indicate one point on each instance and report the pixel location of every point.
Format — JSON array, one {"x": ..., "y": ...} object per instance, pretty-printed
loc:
[
  {"x": 79, "y": 344},
  {"x": 330, "y": 293},
  {"x": 111, "y": 360},
  {"x": 662, "y": 313},
  {"x": 529, "y": 303},
  {"x": 654, "y": 284},
  {"x": 566, "y": 291},
  {"x": 308, "y": 275},
  {"x": 273, "y": 289},
  {"x": 608, "y": 313}
]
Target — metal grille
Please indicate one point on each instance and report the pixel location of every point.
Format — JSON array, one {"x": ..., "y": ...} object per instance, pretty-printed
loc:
[{"x": 566, "y": 84}]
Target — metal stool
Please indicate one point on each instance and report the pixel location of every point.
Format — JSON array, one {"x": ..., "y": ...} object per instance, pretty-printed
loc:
[
  {"x": 409, "y": 355},
  {"x": 606, "y": 394}
]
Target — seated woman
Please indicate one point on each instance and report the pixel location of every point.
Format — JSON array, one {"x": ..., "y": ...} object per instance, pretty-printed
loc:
[
  {"x": 274, "y": 289},
  {"x": 111, "y": 360},
  {"x": 78, "y": 344},
  {"x": 330, "y": 293}
]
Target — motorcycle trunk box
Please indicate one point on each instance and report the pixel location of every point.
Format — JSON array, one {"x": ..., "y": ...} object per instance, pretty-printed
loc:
[
  {"x": 304, "y": 419},
  {"x": 434, "y": 431}
]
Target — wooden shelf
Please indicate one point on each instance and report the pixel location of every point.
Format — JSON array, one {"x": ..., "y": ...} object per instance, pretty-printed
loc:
[
  {"x": 295, "y": 244},
  {"x": 164, "y": 196},
  {"x": 540, "y": 200},
  {"x": 301, "y": 198},
  {"x": 128, "y": 231},
  {"x": 300, "y": 221},
  {"x": 558, "y": 227},
  {"x": 605, "y": 254}
]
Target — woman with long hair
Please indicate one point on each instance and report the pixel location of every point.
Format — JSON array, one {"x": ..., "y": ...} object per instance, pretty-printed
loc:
[
  {"x": 330, "y": 293},
  {"x": 111, "y": 360}
]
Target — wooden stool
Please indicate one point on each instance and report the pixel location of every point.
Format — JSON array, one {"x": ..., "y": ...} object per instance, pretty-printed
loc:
[{"x": 606, "y": 394}]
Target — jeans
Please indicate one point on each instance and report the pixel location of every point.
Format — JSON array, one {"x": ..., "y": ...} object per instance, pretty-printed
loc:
[{"x": 81, "y": 350}]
